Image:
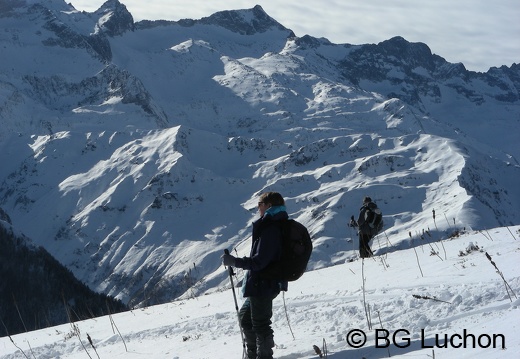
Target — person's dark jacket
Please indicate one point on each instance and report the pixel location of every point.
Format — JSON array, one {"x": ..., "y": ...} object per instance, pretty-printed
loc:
[
  {"x": 266, "y": 248},
  {"x": 364, "y": 228}
]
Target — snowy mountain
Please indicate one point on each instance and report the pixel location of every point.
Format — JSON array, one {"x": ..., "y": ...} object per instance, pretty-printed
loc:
[{"x": 134, "y": 152}]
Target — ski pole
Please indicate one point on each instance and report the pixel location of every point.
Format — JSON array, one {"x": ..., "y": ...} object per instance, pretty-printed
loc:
[
  {"x": 351, "y": 226},
  {"x": 231, "y": 274}
]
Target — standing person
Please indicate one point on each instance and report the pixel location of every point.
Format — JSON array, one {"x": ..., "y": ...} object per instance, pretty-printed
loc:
[
  {"x": 366, "y": 233},
  {"x": 257, "y": 310}
]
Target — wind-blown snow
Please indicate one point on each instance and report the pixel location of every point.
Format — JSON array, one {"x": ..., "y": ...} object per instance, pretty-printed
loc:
[{"x": 325, "y": 307}]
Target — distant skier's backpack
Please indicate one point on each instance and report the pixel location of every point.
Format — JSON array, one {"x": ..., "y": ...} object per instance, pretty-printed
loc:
[
  {"x": 374, "y": 219},
  {"x": 296, "y": 251}
]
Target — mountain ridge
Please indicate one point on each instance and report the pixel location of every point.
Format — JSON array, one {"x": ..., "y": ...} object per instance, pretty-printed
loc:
[{"x": 129, "y": 145}]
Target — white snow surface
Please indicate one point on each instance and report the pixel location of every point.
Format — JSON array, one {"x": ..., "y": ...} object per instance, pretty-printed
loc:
[{"x": 472, "y": 312}]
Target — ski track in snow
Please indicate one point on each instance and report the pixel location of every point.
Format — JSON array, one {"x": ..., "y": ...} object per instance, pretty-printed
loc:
[{"x": 322, "y": 309}]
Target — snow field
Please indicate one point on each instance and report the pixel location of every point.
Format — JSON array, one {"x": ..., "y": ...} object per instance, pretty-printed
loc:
[{"x": 468, "y": 306}]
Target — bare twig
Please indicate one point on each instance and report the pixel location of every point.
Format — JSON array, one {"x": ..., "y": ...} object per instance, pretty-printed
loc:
[
  {"x": 324, "y": 348},
  {"x": 383, "y": 262},
  {"x": 12, "y": 341},
  {"x": 75, "y": 328},
  {"x": 419, "y": 264},
  {"x": 440, "y": 240},
  {"x": 92, "y": 345},
  {"x": 367, "y": 309},
  {"x": 511, "y": 233},
  {"x": 20, "y": 349},
  {"x": 115, "y": 326},
  {"x": 434, "y": 252},
  {"x": 19, "y": 314},
  {"x": 447, "y": 220},
  {"x": 387, "y": 239},
  {"x": 488, "y": 238},
  {"x": 118, "y": 332},
  {"x": 109, "y": 313},
  {"x": 287, "y": 315},
  {"x": 429, "y": 298},
  {"x": 508, "y": 287}
]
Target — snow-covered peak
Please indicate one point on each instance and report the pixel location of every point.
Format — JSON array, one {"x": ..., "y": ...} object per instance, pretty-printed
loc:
[
  {"x": 247, "y": 21},
  {"x": 114, "y": 18}
]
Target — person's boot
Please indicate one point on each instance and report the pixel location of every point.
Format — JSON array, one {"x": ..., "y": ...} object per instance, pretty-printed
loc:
[
  {"x": 250, "y": 338},
  {"x": 264, "y": 347}
]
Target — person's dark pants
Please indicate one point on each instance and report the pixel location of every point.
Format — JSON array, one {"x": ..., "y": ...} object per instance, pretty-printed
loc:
[
  {"x": 364, "y": 247},
  {"x": 255, "y": 319}
]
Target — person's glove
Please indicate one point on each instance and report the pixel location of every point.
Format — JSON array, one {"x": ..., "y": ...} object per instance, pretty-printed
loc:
[
  {"x": 228, "y": 260},
  {"x": 353, "y": 222}
]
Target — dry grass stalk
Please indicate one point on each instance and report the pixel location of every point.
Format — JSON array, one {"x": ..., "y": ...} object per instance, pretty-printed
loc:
[
  {"x": 366, "y": 307},
  {"x": 419, "y": 264},
  {"x": 115, "y": 326},
  {"x": 511, "y": 233},
  {"x": 92, "y": 345},
  {"x": 508, "y": 287},
  {"x": 429, "y": 298},
  {"x": 12, "y": 341}
]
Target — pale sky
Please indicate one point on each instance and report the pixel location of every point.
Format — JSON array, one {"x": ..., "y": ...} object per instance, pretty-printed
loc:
[{"x": 478, "y": 33}]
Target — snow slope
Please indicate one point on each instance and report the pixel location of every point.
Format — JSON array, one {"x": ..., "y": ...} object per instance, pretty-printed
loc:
[{"x": 471, "y": 313}]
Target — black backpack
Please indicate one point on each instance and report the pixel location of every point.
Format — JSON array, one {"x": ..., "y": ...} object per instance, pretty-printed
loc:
[
  {"x": 374, "y": 219},
  {"x": 296, "y": 251}
]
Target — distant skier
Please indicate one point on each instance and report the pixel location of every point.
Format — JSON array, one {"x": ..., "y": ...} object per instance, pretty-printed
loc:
[{"x": 369, "y": 224}]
